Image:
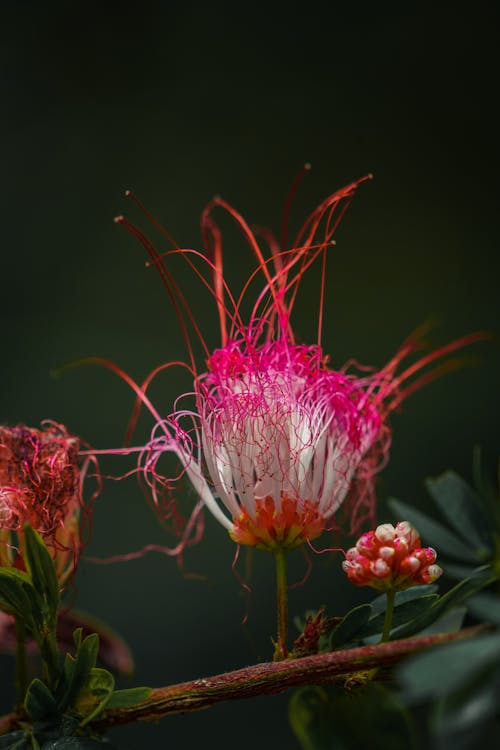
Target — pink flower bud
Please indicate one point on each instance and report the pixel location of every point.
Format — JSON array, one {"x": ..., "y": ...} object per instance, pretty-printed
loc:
[
  {"x": 380, "y": 569},
  {"x": 406, "y": 531},
  {"x": 391, "y": 558},
  {"x": 431, "y": 574},
  {"x": 385, "y": 532},
  {"x": 386, "y": 553}
]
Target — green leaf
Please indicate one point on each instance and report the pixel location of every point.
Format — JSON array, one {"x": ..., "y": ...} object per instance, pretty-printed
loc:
[
  {"x": 460, "y": 505},
  {"x": 41, "y": 568},
  {"x": 113, "y": 651},
  {"x": 486, "y": 607},
  {"x": 408, "y": 610},
  {"x": 447, "y": 668},
  {"x": 434, "y": 533},
  {"x": 405, "y": 613},
  {"x": 350, "y": 625},
  {"x": 457, "y": 571},
  {"x": 129, "y": 698},
  {"x": 94, "y": 696},
  {"x": 415, "y": 592},
  {"x": 462, "y": 717},
  {"x": 368, "y": 717},
  {"x": 39, "y": 701},
  {"x": 18, "y": 597},
  {"x": 450, "y": 622},
  {"x": 17, "y": 740},
  {"x": 87, "y": 652},
  {"x": 482, "y": 577},
  {"x": 77, "y": 669},
  {"x": 367, "y": 620},
  {"x": 77, "y": 638},
  {"x": 488, "y": 491},
  {"x": 308, "y": 715},
  {"x": 484, "y": 735}
]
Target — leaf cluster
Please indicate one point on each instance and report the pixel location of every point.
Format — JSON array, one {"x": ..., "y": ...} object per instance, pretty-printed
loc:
[
  {"x": 58, "y": 709},
  {"x": 32, "y": 596},
  {"x": 459, "y": 684},
  {"x": 446, "y": 698},
  {"x": 469, "y": 533}
]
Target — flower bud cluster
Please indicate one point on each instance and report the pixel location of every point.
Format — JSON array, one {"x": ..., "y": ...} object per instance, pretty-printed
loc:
[{"x": 391, "y": 557}]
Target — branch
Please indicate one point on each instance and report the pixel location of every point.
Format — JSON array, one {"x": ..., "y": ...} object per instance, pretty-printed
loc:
[
  {"x": 272, "y": 677},
  {"x": 262, "y": 679}
]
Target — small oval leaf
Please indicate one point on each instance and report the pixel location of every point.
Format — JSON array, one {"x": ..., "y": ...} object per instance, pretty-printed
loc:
[
  {"x": 94, "y": 696},
  {"x": 403, "y": 614},
  {"x": 128, "y": 698},
  {"x": 42, "y": 571},
  {"x": 369, "y": 717},
  {"x": 17, "y": 740},
  {"x": 485, "y": 606},
  {"x": 433, "y": 532},
  {"x": 460, "y": 505},
  {"x": 415, "y": 592},
  {"x": 352, "y": 623},
  {"x": 447, "y": 668},
  {"x": 453, "y": 598},
  {"x": 39, "y": 701}
]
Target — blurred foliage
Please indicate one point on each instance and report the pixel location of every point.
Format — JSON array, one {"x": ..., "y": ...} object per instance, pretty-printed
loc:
[
  {"x": 446, "y": 698},
  {"x": 56, "y": 710},
  {"x": 472, "y": 514}
]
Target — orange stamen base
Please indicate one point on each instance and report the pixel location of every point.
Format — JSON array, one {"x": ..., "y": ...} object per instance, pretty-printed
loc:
[{"x": 294, "y": 523}]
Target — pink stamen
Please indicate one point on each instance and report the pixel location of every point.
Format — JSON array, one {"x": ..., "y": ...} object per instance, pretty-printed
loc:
[
  {"x": 277, "y": 445},
  {"x": 244, "y": 585},
  {"x": 288, "y": 203}
]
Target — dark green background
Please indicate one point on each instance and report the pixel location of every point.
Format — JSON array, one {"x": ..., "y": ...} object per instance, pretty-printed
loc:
[{"x": 179, "y": 103}]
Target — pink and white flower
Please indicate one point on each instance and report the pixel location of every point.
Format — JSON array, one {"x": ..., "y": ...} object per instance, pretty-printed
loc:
[{"x": 273, "y": 440}]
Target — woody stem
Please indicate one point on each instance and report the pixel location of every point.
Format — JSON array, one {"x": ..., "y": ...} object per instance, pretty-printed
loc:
[
  {"x": 262, "y": 679},
  {"x": 281, "y": 650}
]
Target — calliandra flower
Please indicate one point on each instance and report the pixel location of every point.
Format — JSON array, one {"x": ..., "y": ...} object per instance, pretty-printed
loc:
[
  {"x": 41, "y": 484},
  {"x": 282, "y": 437},
  {"x": 391, "y": 558},
  {"x": 275, "y": 442}
]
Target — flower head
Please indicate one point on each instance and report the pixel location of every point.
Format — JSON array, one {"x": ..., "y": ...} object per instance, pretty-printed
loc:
[
  {"x": 282, "y": 437},
  {"x": 391, "y": 557},
  {"x": 273, "y": 439},
  {"x": 40, "y": 484}
]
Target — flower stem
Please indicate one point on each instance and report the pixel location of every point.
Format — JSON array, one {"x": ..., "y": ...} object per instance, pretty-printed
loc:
[
  {"x": 21, "y": 670},
  {"x": 389, "y": 609},
  {"x": 280, "y": 649}
]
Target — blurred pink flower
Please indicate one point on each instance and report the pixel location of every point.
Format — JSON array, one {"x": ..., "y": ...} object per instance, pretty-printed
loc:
[{"x": 41, "y": 483}]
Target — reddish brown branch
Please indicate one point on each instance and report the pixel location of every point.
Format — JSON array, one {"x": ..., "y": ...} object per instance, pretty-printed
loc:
[
  {"x": 262, "y": 679},
  {"x": 271, "y": 677}
]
